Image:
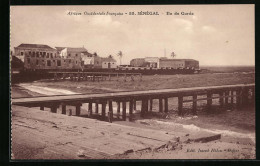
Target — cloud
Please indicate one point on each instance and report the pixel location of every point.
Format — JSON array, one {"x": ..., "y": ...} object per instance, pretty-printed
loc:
[
  {"x": 206, "y": 28},
  {"x": 103, "y": 20},
  {"x": 185, "y": 24}
]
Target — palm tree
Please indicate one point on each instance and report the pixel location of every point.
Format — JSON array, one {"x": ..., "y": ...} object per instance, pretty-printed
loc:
[
  {"x": 120, "y": 54},
  {"x": 173, "y": 55}
]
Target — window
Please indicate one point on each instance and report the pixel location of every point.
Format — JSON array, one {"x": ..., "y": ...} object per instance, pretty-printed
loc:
[
  {"x": 48, "y": 63},
  {"x": 28, "y": 60},
  {"x": 53, "y": 60},
  {"x": 21, "y": 53},
  {"x": 58, "y": 63},
  {"x": 47, "y": 55},
  {"x": 69, "y": 61},
  {"x": 76, "y": 62},
  {"x": 51, "y": 55},
  {"x": 40, "y": 53},
  {"x": 37, "y": 55},
  {"x": 30, "y": 52},
  {"x": 33, "y": 54},
  {"x": 44, "y": 53},
  {"x": 37, "y": 62},
  {"x": 76, "y": 55}
]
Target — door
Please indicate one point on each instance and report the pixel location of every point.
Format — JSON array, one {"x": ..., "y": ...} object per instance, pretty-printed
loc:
[{"x": 109, "y": 65}]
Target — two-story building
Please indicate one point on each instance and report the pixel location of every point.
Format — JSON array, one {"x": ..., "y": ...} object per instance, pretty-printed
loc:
[{"x": 38, "y": 56}]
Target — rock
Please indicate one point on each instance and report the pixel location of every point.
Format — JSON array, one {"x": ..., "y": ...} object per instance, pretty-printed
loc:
[
  {"x": 129, "y": 151},
  {"x": 81, "y": 153}
]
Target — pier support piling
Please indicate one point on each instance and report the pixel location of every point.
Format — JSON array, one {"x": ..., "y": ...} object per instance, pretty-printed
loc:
[
  {"x": 110, "y": 111},
  {"x": 124, "y": 111},
  {"x": 160, "y": 105},
  {"x": 180, "y": 106}
]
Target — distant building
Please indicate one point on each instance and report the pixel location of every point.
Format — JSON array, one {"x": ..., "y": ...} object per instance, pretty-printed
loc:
[
  {"x": 91, "y": 60},
  {"x": 138, "y": 62},
  {"x": 37, "y": 56},
  {"x": 163, "y": 62},
  {"x": 108, "y": 63},
  {"x": 178, "y": 63},
  {"x": 71, "y": 57}
]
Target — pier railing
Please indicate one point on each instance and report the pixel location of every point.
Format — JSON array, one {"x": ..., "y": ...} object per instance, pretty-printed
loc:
[
  {"x": 94, "y": 76},
  {"x": 236, "y": 95}
]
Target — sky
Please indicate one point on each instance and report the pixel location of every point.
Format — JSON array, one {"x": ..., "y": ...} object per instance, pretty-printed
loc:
[{"x": 213, "y": 35}]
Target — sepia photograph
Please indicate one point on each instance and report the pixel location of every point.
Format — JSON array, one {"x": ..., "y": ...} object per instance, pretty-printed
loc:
[{"x": 132, "y": 82}]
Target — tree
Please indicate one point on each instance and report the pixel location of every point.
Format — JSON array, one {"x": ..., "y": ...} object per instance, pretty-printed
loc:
[
  {"x": 173, "y": 55},
  {"x": 110, "y": 56},
  {"x": 95, "y": 54},
  {"x": 120, "y": 54}
]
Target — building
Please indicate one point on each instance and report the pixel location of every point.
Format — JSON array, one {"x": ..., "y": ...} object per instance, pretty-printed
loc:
[
  {"x": 71, "y": 57},
  {"x": 178, "y": 63},
  {"x": 163, "y": 62},
  {"x": 138, "y": 62},
  {"x": 108, "y": 63},
  {"x": 91, "y": 60},
  {"x": 38, "y": 56}
]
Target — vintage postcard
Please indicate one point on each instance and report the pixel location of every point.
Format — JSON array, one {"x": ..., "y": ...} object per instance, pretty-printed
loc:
[{"x": 132, "y": 82}]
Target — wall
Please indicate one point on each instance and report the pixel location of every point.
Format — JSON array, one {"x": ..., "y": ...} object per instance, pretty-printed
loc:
[
  {"x": 192, "y": 63},
  {"x": 113, "y": 65},
  {"x": 140, "y": 62},
  {"x": 171, "y": 63}
]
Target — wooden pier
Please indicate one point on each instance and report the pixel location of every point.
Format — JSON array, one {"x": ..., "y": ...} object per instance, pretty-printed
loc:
[
  {"x": 232, "y": 95},
  {"x": 95, "y": 76}
]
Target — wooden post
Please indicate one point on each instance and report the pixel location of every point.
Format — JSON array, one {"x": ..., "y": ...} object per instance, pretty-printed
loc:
[
  {"x": 221, "y": 99},
  {"x": 124, "y": 110},
  {"x": 144, "y": 108},
  {"x": 166, "y": 104},
  {"x": 42, "y": 108},
  {"x": 232, "y": 99},
  {"x": 151, "y": 105},
  {"x": 96, "y": 108},
  {"x": 160, "y": 105},
  {"x": 134, "y": 104},
  {"x": 54, "y": 109},
  {"x": 110, "y": 112},
  {"x": 118, "y": 109},
  {"x": 89, "y": 108},
  {"x": 194, "y": 105},
  {"x": 226, "y": 97},
  {"x": 180, "y": 105},
  {"x": 78, "y": 109},
  {"x": 63, "y": 109},
  {"x": 130, "y": 110},
  {"x": 239, "y": 96},
  {"x": 103, "y": 110},
  {"x": 209, "y": 101}
]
